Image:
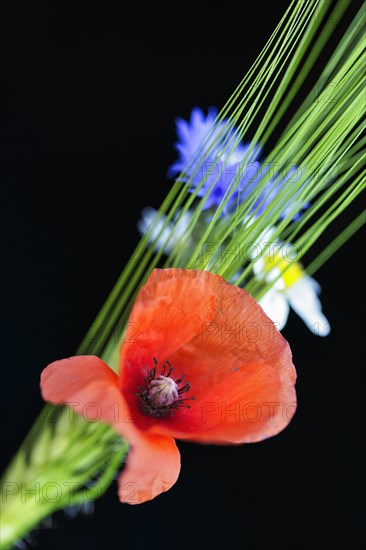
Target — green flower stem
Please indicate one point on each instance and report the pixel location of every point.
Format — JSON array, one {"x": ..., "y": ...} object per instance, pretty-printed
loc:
[{"x": 65, "y": 461}]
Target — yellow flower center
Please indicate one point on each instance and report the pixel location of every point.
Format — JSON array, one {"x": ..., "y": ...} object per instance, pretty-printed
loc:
[{"x": 291, "y": 272}]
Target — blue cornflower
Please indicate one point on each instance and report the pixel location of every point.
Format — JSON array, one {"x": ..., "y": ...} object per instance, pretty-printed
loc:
[
  {"x": 220, "y": 163},
  {"x": 270, "y": 191},
  {"x": 191, "y": 134},
  {"x": 205, "y": 138}
]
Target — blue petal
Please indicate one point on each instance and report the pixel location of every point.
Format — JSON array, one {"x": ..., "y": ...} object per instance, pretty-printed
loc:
[{"x": 192, "y": 134}]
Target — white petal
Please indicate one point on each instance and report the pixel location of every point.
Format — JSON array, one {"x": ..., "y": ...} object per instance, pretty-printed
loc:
[
  {"x": 266, "y": 236},
  {"x": 261, "y": 260},
  {"x": 258, "y": 266},
  {"x": 275, "y": 305},
  {"x": 173, "y": 231},
  {"x": 180, "y": 228},
  {"x": 316, "y": 286},
  {"x": 248, "y": 220},
  {"x": 149, "y": 216},
  {"x": 304, "y": 301},
  {"x": 272, "y": 275}
]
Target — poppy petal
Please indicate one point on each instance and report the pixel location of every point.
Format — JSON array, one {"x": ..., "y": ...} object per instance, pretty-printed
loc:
[
  {"x": 88, "y": 385},
  {"x": 90, "y": 388},
  {"x": 252, "y": 404},
  {"x": 169, "y": 311},
  {"x": 236, "y": 358},
  {"x": 153, "y": 466}
]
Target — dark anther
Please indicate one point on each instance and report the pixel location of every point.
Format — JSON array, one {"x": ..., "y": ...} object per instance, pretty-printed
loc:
[{"x": 160, "y": 396}]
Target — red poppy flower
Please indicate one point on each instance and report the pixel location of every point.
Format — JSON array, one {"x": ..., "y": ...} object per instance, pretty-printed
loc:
[{"x": 233, "y": 377}]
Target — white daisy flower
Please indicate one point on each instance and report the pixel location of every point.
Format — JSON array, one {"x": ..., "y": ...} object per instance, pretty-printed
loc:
[
  {"x": 174, "y": 231},
  {"x": 294, "y": 288}
]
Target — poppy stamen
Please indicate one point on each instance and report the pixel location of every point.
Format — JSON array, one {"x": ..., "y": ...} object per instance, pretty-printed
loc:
[
  {"x": 160, "y": 395},
  {"x": 167, "y": 363}
]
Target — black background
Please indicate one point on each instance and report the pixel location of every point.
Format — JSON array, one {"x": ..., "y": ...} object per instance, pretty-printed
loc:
[{"x": 86, "y": 139}]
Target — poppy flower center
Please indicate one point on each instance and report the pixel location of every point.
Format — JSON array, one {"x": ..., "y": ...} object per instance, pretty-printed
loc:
[{"x": 161, "y": 395}]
